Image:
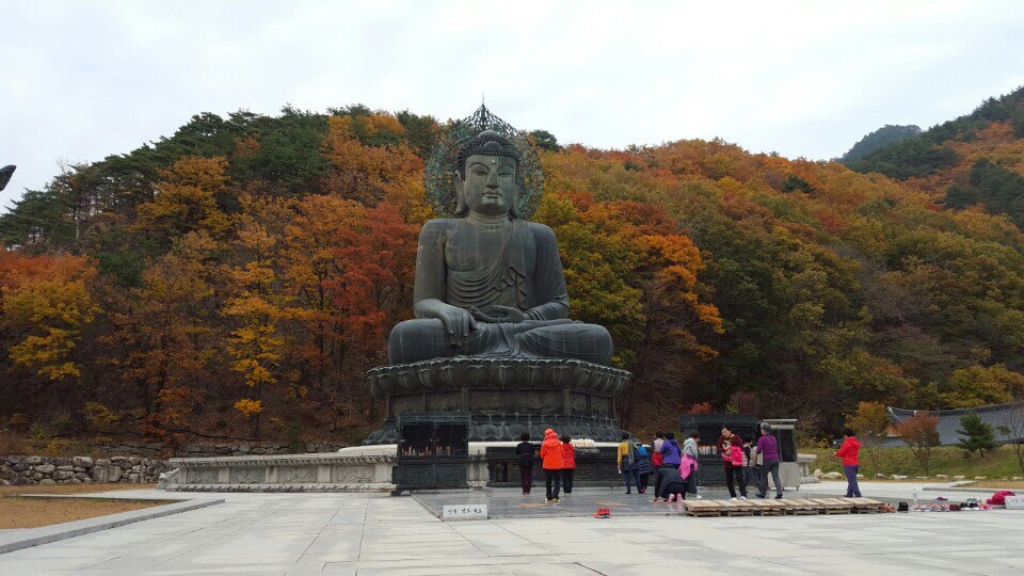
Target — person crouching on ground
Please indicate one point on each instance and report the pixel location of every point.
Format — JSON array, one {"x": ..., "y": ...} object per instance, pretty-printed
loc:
[
  {"x": 568, "y": 463},
  {"x": 671, "y": 455},
  {"x": 627, "y": 458},
  {"x": 525, "y": 451},
  {"x": 850, "y": 453},
  {"x": 672, "y": 485},
  {"x": 551, "y": 456}
]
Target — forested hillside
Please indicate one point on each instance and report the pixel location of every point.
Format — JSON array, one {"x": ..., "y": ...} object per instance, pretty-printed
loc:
[
  {"x": 239, "y": 277},
  {"x": 973, "y": 162},
  {"x": 880, "y": 138}
]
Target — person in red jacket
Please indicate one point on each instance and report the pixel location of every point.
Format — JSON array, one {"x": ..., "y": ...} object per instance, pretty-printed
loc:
[
  {"x": 568, "y": 463},
  {"x": 551, "y": 456},
  {"x": 850, "y": 452}
]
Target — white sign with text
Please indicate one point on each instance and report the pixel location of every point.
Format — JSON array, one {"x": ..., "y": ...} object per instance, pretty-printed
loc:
[
  {"x": 465, "y": 512},
  {"x": 1015, "y": 502}
]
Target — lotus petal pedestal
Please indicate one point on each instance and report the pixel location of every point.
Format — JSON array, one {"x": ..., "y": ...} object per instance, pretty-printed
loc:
[{"x": 504, "y": 396}]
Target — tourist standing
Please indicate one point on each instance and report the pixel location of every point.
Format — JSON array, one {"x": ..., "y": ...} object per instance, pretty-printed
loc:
[
  {"x": 737, "y": 458},
  {"x": 850, "y": 453},
  {"x": 644, "y": 467},
  {"x": 525, "y": 451},
  {"x": 749, "y": 452},
  {"x": 659, "y": 441},
  {"x": 551, "y": 457},
  {"x": 690, "y": 450},
  {"x": 628, "y": 457},
  {"x": 725, "y": 451},
  {"x": 768, "y": 448},
  {"x": 568, "y": 463}
]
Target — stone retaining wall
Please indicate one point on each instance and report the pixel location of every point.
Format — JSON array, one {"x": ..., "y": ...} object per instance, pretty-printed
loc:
[{"x": 43, "y": 470}]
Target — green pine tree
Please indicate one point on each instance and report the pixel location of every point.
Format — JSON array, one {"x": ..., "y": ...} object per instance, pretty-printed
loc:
[{"x": 976, "y": 434}]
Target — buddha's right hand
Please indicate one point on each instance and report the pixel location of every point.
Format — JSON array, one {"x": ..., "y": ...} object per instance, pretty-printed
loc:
[{"x": 458, "y": 322}]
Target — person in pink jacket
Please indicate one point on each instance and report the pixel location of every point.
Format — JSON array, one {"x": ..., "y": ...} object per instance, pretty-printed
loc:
[{"x": 736, "y": 459}]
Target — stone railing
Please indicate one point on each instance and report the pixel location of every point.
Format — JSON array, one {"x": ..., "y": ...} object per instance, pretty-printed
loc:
[
  {"x": 327, "y": 472},
  {"x": 210, "y": 449},
  {"x": 44, "y": 470}
]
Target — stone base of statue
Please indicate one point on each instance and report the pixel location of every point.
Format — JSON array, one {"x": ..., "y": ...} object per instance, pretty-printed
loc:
[{"x": 504, "y": 396}]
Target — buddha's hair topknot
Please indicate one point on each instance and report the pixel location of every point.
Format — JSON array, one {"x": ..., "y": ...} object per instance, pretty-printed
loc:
[{"x": 487, "y": 143}]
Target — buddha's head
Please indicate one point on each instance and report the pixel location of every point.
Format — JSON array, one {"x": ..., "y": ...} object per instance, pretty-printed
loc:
[{"x": 485, "y": 177}]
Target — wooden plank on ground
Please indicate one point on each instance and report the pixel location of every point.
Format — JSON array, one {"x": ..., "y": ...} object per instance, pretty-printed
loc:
[
  {"x": 834, "y": 505},
  {"x": 703, "y": 507},
  {"x": 802, "y": 506},
  {"x": 769, "y": 507},
  {"x": 737, "y": 508}
]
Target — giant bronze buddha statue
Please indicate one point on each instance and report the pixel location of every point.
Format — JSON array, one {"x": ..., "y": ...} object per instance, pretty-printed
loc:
[
  {"x": 487, "y": 282},
  {"x": 492, "y": 336}
]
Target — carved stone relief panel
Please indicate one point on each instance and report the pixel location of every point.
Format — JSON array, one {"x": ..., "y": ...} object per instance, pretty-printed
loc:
[
  {"x": 203, "y": 476},
  {"x": 579, "y": 403},
  {"x": 296, "y": 474},
  {"x": 247, "y": 475},
  {"x": 345, "y": 474}
]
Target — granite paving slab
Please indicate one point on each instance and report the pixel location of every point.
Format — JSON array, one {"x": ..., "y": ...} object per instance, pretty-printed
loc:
[{"x": 359, "y": 534}]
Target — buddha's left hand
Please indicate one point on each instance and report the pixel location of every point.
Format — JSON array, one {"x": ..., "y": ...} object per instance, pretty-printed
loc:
[{"x": 497, "y": 314}]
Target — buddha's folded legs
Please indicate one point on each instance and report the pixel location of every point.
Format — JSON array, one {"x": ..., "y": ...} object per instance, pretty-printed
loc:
[{"x": 424, "y": 339}]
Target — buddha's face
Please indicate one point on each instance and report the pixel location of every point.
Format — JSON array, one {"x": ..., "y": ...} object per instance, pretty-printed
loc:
[{"x": 490, "y": 184}]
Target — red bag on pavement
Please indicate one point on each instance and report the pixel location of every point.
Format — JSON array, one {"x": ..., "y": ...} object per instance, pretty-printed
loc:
[{"x": 999, "y": 498}]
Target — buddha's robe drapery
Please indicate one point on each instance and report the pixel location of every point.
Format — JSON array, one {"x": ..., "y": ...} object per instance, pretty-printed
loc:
[{"x": 525, "y": 273}]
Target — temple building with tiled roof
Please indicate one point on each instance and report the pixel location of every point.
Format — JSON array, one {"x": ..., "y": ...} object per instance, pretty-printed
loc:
[{"x": 997, "y": 416}]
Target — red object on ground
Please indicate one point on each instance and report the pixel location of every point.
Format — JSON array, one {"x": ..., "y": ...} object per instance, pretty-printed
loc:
[{"x": 999, "y": 498}]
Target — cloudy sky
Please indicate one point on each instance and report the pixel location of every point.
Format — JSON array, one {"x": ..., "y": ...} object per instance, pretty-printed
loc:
[{"x": 82, "y": 80}]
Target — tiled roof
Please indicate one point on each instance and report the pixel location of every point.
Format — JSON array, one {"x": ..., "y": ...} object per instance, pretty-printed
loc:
[{"x": 1010, "y": 415}]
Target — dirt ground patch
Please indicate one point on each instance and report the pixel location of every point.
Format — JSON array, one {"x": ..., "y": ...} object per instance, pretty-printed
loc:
[
  {"x": 18, "y": 512},
  {"x": 69, "y": 489}
]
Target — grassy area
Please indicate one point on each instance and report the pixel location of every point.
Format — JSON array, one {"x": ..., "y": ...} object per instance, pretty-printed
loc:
[
  {"x": 19, "y": 512},
  {"x": 1001, "y": 464}
]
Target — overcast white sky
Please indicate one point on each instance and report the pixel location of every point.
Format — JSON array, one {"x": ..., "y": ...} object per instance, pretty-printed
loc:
[{"x": 82, "y": 80}]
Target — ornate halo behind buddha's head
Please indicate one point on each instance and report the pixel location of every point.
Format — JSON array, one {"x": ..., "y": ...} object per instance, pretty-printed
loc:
[{"x": 442, "y": 164}]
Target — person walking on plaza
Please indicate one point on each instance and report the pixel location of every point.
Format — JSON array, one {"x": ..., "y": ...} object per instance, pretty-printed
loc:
[
  {"x": 850, "y": 453},
  {"x": 736, "y": 457},
  {"x": 690, "y": 450},
  {"x": 628, "y": 460},
  {"x": 768, "y": 448},
  {"x": 568, "y": 463},
  {"x": 551, "y": 457},
  {"x": 525, "y": 451}
]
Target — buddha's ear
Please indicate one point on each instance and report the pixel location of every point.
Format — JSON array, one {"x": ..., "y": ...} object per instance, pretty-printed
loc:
[
  {"x": 460, "y": 195},
  {"x": 514, "y": 210}
]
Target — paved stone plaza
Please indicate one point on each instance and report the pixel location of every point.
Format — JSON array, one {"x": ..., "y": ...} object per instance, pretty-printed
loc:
[{"x": 376, "y": 534}]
